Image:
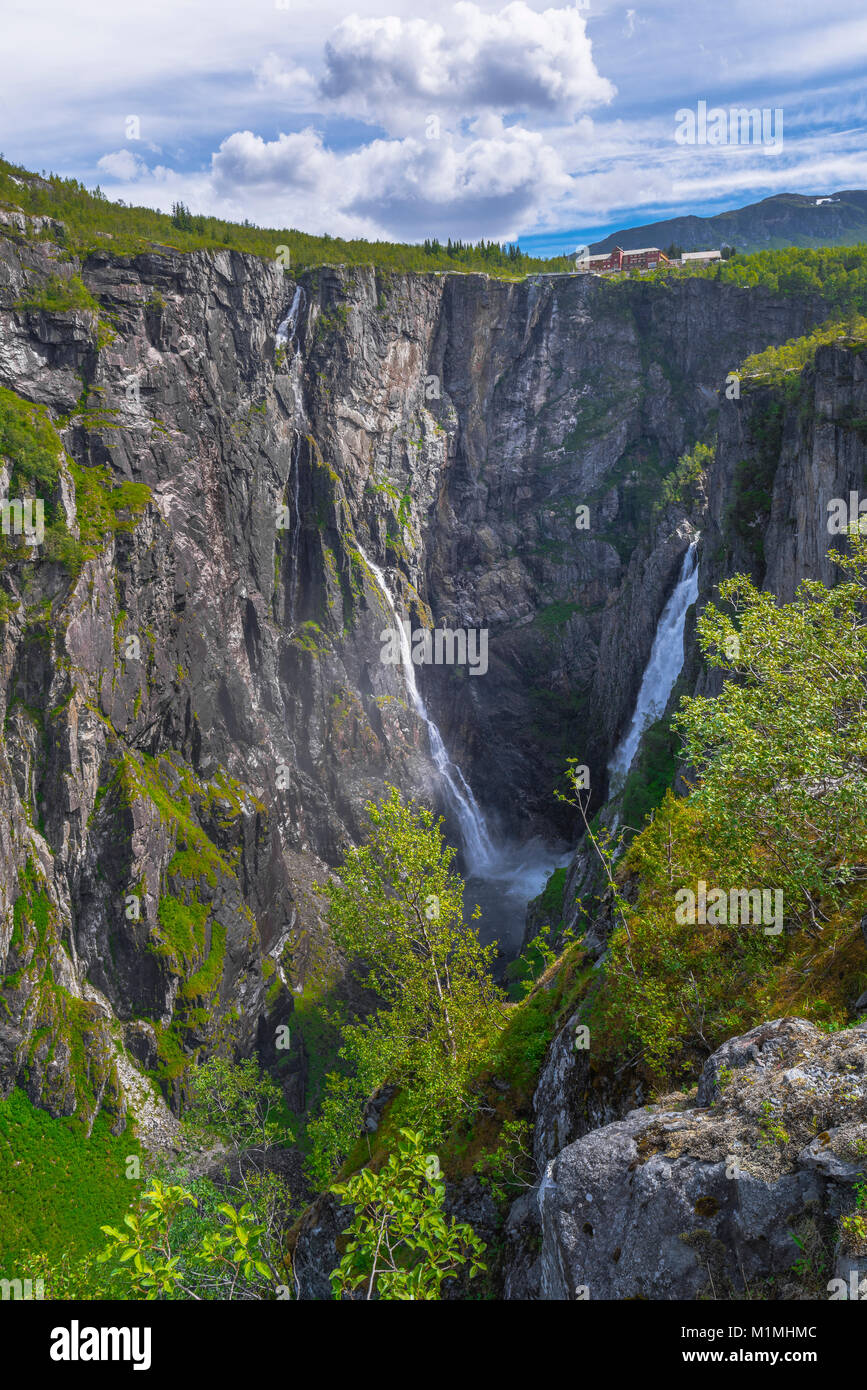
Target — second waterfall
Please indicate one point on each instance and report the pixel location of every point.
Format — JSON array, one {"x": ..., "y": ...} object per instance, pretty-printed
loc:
[{"x": 662, "y": 670}]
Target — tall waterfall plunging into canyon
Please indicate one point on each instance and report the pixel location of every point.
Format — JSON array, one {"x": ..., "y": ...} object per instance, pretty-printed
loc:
[
  {"x": 196, "y": 713},
  {"x": 501, "y": 878},
  {"x": 478, "y": 848},
  {"x": 662, "y": 670}
]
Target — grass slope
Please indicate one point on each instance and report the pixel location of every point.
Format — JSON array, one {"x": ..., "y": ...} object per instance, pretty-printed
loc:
[{"x": 57, "y": 1187}]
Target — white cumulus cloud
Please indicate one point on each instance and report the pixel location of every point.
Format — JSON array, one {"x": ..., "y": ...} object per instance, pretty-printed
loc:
[
  {"x": 122, "y": 164},
  {"x": 517, "y": 60},
  {"x": 487, "y": 185}
]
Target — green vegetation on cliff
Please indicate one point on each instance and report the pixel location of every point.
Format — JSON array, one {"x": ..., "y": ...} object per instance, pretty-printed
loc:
[
  {"x": 652, "y": 773},
  {"x": 61, "y": 295},
  {"x": 397, "y": 913},
  {"x": 63, "y": 1028},
  {"x": 93, "y": 224},
  {"x": 58, "y": 1184},
  {"x": 776, "y": 818},
  {"x": 681, "y": 483},
  {"x": 836, "y": 273},
  {"x": 32, "y": 448},
  {"x": 778, "y": 379},
  {"x": 785, "y": 364}
]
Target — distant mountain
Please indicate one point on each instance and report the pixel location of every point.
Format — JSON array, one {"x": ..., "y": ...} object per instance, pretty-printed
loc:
[{"x": 787, "y": 219}]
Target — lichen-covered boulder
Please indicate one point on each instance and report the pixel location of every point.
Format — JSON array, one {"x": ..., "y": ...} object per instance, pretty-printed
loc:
[{"x": 736, "y": 1191}]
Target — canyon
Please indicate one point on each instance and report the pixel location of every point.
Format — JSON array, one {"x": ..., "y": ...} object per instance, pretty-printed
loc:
[{"x": 325, "y": 457}]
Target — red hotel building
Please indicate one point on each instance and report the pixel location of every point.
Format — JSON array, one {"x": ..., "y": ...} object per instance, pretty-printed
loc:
[{"x": 645, "y": 258}]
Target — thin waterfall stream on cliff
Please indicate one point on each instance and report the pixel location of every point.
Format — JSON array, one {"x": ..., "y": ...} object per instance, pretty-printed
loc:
[{"x": 502, "y": 878}]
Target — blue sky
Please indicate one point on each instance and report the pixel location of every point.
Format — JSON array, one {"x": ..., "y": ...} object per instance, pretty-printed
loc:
[{"x": 552, "y": 123}]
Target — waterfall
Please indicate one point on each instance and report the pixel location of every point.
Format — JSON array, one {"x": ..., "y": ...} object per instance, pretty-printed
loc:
[
  {"x": 478, "y": 848},
  {"x": 287, "y": 329},
  {"x": 662, "y": 670}
]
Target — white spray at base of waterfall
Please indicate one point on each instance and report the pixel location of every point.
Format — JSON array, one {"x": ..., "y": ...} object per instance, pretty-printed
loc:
[
  {"x": 662, "y": 670},
  {"x": 502, "y": 878}
]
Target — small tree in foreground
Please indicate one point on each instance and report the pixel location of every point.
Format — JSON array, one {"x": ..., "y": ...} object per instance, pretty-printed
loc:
[
  {"x": 401, "y": 1246},
  {"x": 782, "y": 750},
  {"x": 203, "y": 1240},
  {"x": 226, "y": 1258},
  {"x": 396, "y": 913}
]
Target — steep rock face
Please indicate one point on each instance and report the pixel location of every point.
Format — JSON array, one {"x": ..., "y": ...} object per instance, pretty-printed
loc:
[
  {"x": 203, "y": 771},
  {"x": 787, "y": 455},
  {"x": 493, "y": 411},
  {"x": 785, "y": 452},
  {"x": 704, "y": 1196},
  {"x": 568, "y": 392},
  {"x": 571, "y": 1098},
  {"x": 193, "y": 722}
]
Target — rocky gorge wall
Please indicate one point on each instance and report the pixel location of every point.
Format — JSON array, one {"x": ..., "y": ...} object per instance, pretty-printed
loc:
[{"x": 193, "y": 722}]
